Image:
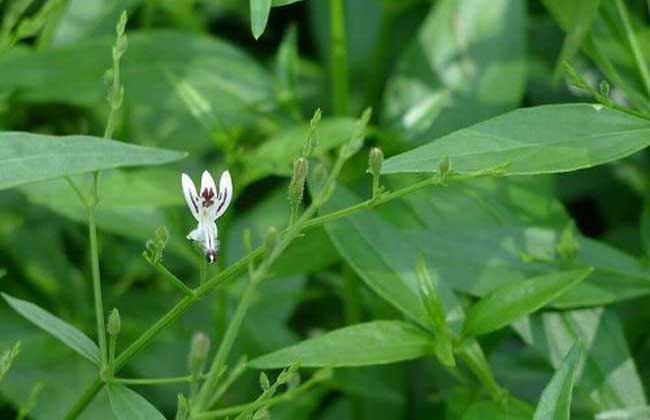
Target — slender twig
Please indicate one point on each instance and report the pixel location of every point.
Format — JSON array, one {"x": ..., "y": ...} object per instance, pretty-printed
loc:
[
  {"x": 175, "y": 280},
  {"x": 96, "y": 276}
]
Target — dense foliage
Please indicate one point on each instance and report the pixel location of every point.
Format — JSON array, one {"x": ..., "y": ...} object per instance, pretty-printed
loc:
[{"x": 424, "y": 209}]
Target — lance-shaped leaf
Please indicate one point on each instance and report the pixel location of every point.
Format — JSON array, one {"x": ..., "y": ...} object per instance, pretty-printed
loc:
[
  {"x": 371, "y": 343},
  {"x": 555, "y": 402},
  {"x": 260, "y": 10},
  {"x": 513, "y": 301},
  {"x": 129, "y": 405},
  {"x": 524, "y": 143},
  {"x": 28, "y": 157},
  {"x": 66, "y": 333}
]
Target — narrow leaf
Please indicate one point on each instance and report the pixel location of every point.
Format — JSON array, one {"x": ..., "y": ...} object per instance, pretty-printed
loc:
[
  {"x": 371, "y": 343},
  {"x": 66, "y": 333},
  {"x": 129, "y": 405},
  {"x": 28, "y": 157},
  {"x": 581, "y": 136},
  {"x": 260, "y": 10},
  {"x": 513, "y": 301},
  {"x": 555, "y": 402}
]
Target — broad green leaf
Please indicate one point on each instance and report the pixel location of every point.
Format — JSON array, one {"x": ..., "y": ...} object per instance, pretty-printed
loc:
[
  {"x": 181, "y": 89},
  {"x": 66, "y": 333},
  {"x": 27, "y": 157},
  {"x": 510, "y": 302},
  {"x": 466, "y": 64},
  {"x": 631, "y": 413},
  {"x": 523, "y": 142},
  {"x": 555, "y": 402},
  {"x": 276, "y": 155},
  {"x": 129, "y": 405},
  {"x": 260, "y": 10},
  {"x": 371, "y": 343},
  {"x": 609, "y": 376}
]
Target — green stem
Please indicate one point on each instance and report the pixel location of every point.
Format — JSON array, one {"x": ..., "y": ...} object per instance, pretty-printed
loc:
[
  {"x": 112, "y": 344},
  {"x": 175, "y": 280},
  {"x": 338, "y": 58},
  {"x": 233, "y": 271},
  {"x": 634, "y": 45},
  {"x": 225, "y": 385},
  {"x": 97, "y": 284},
  {"x": 152, "y": 381}
]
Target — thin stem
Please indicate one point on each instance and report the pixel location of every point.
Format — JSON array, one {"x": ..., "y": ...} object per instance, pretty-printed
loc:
[
  {"x": 153, "y": 381},
  {"x": 175, "y": 280},
  {"x": 112, "y": 344},
  {"x": 634, "y": 45},
  {"x": 77, "y": 191},
  {"x": 97, "y": 283},
  {"x": 235, "y": 270},
  {"x": 225, "y": 385},
  {"x": 259, "y": 403},
  {"x": 338, "y": 59}
]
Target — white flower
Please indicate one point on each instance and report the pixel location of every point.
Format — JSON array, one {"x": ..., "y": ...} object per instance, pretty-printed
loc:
[{"x": 206, "y": 208}]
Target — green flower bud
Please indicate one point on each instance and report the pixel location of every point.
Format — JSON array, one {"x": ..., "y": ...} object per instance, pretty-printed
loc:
[
  {"x": 265, "y": 384},
  {"x": 199, "y": 351},
  {"x": 114, "y": 324},
  {"x": 271, "y": 239},
  {"x": 297, "y": 185},
  {"x": 375, "y": 161}
]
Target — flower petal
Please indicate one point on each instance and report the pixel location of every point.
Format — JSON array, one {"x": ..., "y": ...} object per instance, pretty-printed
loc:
[
  {"x": 191, "y": 197},
  {"x": 196, "y": 235},
  {"x": 208, "y": 190},
  {"x": 225, "y": 194}
]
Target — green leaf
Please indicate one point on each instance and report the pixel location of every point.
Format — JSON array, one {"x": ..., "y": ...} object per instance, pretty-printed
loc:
[
  {"x": 631, "y": 413},
  {"x": 129, "y": 405},
  {"x": 7, "y": 359},
  {"x": 66, "y": 333},
  {"x": 260, "y": 10},
  {"x": 371, "y": 343},
  {"x": 3, "y": 272},
  {"x": 466, "y": 64},
  {"x": 27, "y": 157},
  {"x": 513, "y": 301},
  {"x": 512, "y": 409},
  {"x": 555, "y": 402},
  {"x": 609, "y": 377},
  {"x": 581, "y": 136}
]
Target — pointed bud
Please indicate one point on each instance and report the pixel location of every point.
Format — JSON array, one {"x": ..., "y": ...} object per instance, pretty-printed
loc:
[
  {"x": 114, "y": 324},
  {"x": 264, "y": 382},
  {"x": 297, "y": 185},
  {"x": 183, "y": 408},
  {"x": 567, "y": 246},
  {"x": 375, "y": 161},
  {"x": 604, "y": 88},
  {"x": 312, "y": 140},
  {"x": 155, "y": 246},
  {"x": 271, "y": 239},
  {"x": 199, "y": 352}
]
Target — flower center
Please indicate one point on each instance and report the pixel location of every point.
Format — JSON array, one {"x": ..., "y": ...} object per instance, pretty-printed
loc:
[{"x": 208, "y": 197}]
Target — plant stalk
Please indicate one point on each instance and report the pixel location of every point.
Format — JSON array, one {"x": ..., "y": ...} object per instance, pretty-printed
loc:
[{"x": 339, "y": 58}]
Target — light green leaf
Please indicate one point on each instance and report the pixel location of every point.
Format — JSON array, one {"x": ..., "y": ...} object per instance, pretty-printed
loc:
[
  {"x": 513, "y": 301},
  {"x": 609, "y": 377},
  {"x": 465, "y": 64},
  {"x": 581, "y": 136},
  {"x": 555, "y": 402},
  {"x": 129, "y": 405},
  {"x": 631, "y": 413},
  {"x": 371, "y": 343},
  {"x": 7, "y": 359},
  {"x": 512, "y": 409},
  {"x": 66, "y": 333},
  {"x": 278, "y": 3},
  {"x": 27, "y": 157},
  {"x": 260, "y": 10}
]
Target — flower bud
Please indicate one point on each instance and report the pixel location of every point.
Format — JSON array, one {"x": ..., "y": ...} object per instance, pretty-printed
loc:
[
  {"x": 265, "y": 384},
  {"x": 312, "y": 140},
  {"x": 375, "y": 161},
  {"x": 271, "y": 239},
  {"x": 183, "y": 408},
  {"x": 114, "y": 324},
  {"x": 297, "y": 185},
  {"x": 199, "y": 351}
]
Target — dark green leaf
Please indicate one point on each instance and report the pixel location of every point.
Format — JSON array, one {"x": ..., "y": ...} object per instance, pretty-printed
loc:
[
  {"x": 511, "y": 409},
  {"x": 129, "y": 405},
  {"x": 555, "y": 402},
  {"x": 465, "y": 64},
  {"x": 510, "y": 302},
  {"x": 371, "y": 343},
  {"x": 66, "y": 333},
  {"x": 27, "y": 157},
  {"x": 581, "y": 136}
]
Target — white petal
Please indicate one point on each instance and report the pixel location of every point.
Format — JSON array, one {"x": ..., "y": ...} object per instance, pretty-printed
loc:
[
  {"x": 225, "y": 194},
  {"x": 211, "y": 244},
  {"x": 191, "y": 197},
  {"x": 196, "y": 235},
  {"x": 208, "y": 190}
]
